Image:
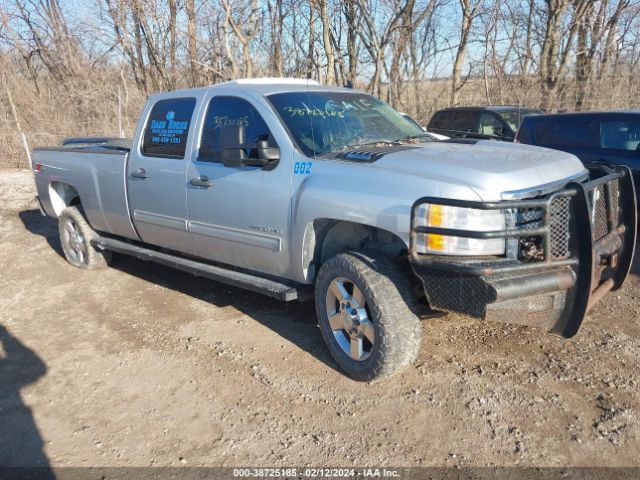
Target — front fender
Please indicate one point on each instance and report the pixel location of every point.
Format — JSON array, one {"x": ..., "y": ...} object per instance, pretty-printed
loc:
[{"x": 382, "y": 202}]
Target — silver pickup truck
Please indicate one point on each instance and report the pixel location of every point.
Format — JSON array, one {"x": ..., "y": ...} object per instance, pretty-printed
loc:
[{"x": 293, "y": 189}]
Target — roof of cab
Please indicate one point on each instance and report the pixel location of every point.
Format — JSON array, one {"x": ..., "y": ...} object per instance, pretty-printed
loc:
[
  {"x": 494, "y": 108},
  {"x": 265, "y": 86},
  {"x": 611, "y": 113}
]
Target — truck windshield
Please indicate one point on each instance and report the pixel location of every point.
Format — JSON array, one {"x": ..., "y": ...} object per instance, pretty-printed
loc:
[{"x": 322, "y": 122}]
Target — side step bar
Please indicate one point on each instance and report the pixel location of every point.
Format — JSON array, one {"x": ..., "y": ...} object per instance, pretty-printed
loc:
[{"x": 247, "y": 281}]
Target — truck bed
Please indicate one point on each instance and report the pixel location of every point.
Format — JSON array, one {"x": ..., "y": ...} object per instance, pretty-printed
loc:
[{"x": 96, "y": 168}]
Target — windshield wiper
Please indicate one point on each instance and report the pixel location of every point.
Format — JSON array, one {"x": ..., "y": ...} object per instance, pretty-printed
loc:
[
  {"x": 368, "y": 144},
  {"x": 415, "y": 137}
]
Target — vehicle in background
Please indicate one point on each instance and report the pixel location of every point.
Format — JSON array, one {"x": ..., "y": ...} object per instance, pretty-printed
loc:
[
  {"x": 496, "y": 123},
  {"x": 606, "y": 138},
  {"x": 434, "y": 136}
]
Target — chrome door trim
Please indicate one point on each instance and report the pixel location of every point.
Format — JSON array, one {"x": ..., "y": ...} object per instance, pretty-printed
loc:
[
  {"x": 161, "y": 220},
  {"x": 254, "y": 239}
]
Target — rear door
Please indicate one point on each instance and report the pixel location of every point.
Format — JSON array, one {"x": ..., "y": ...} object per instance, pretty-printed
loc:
[
  {"x": 156, "y": 175},
  {"x": 240, "y": 215}
]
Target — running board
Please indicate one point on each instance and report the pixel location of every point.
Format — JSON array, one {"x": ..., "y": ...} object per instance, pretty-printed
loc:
[{"x": 247, "y": 281}]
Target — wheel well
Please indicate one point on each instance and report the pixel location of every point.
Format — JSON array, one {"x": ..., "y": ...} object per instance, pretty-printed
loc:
[
  {"x": 62, "y": 195},
  {"x": 325, "y": 238}
]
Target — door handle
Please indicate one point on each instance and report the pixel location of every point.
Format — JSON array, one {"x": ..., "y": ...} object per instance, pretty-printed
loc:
[
  {"x": 201, "y": 181},
  {"x": 140, "y": 173}
]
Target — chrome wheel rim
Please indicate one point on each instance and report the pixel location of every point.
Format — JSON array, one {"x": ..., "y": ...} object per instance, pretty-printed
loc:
[
  {"x": 349, "y": 320},
  {"x": 76, "y": 245}
]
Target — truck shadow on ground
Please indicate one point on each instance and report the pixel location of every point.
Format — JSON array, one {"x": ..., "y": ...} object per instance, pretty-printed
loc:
[
  {"x": 20, "y": 442},
  {"x": 46, "y": 227},
  {"x": 294, "y": 321}
]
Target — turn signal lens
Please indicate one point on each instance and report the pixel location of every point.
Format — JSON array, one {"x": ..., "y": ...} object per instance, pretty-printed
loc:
[
  {"x": 435, "y": 216},
  {"x": 435, "y": 242}
]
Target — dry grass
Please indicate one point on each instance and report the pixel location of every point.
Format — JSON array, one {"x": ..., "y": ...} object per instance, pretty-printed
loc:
[{"x": 51, "y": 111}]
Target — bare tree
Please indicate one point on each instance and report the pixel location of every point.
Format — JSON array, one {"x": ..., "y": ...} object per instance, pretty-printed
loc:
[
  {"x": 243, "y": 20},
  {"x": 470, "y": 11}
]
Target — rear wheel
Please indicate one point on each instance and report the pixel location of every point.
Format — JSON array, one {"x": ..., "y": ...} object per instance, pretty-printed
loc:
[
  {"x": 75, "y": 236},
  {"x": 363, "y": 307}
]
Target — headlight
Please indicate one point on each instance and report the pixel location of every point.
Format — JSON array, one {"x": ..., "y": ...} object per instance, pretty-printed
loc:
[{"x": 459, "y": 218}]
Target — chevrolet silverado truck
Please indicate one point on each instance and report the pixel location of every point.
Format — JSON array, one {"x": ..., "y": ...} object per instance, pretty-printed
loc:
[{"x": 293, "y": 189}]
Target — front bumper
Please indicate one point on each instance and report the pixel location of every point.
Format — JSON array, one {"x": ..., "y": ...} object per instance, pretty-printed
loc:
[{"x": 585, "y": 235}]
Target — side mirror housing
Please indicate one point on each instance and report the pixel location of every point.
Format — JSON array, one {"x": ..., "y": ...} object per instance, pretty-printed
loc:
[
  {"x": 236, "y": 152},
  {"x": 232, "y": 140}
]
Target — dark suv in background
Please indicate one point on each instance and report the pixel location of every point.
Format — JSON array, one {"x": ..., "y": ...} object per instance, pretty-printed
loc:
[
  {"x": 498, "y": 123},
  {"x": 609, "y": 138}
]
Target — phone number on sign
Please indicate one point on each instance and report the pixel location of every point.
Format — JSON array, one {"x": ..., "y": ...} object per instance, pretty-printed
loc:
[{"x": 294, "y": 472}]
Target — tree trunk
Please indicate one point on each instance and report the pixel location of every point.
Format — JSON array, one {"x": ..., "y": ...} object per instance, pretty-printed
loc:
[
  {"x": 192, "y": 51},
  {"x": 326, "y": 41},
  {"x": 468, "y": 13}
]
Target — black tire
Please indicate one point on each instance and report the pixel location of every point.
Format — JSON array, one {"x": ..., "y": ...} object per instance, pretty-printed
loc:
[
  {"x": 75, "y": 236},
  {"x": 387, "y": 291}
]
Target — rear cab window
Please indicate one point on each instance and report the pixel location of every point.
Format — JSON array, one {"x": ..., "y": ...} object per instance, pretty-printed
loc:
[{"x": 167, "y": 128}]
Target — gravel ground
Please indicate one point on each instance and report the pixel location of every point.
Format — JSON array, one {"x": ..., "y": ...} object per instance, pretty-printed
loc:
[{"x": 140, "y": 365}]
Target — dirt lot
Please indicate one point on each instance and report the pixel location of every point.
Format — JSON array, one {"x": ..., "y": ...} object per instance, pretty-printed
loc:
[{"x": 141, "y": 365}]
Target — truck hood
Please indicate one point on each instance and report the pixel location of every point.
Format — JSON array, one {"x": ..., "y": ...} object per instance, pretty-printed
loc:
[{"x": 490, "y": 168}]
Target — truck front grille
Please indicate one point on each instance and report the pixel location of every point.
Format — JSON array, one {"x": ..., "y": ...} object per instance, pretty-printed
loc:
[
  {"x": 531, "y": 248},
  {"x": 559, "y": 217},
  {"x": 599, "y": 224},
  {"x": 600, "y": 209}
]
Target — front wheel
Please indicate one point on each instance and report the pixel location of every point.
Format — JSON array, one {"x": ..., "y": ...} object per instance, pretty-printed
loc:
[{"x": 363, "y": 307}]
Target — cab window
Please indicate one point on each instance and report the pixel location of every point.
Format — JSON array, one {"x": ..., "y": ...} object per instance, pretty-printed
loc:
[
  {"x": 620, "y": 135},
  {"x": 226, "y": 111},
  {"x": 464, "y": 121},
  {"x": 566, "y": 133},
  {"x": 490, "y": 125},
  {"x": 167, "y": 129}
]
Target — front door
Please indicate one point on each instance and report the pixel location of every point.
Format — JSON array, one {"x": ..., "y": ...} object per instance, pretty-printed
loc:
[
  {"x": 238, "y": 215},
  {"x": 156, "y": 175}
]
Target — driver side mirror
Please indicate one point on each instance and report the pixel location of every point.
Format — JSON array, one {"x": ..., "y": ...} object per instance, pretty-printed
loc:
[{"x": 236, "y": 152}]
